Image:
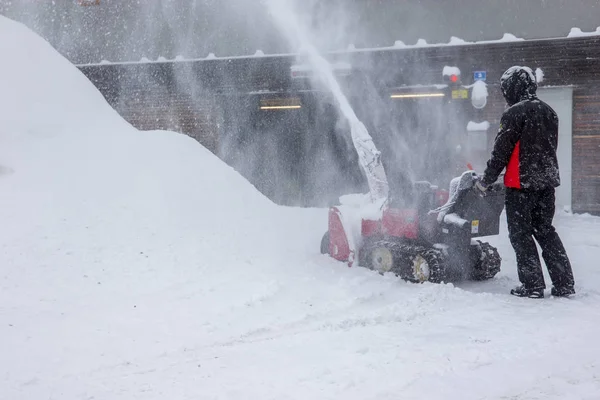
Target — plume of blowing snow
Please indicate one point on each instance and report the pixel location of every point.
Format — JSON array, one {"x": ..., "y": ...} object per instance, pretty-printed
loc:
[{"x": 369, "y": 156}]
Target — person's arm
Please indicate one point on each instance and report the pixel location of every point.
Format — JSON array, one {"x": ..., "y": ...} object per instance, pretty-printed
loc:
[{"x": 504, "y": 145}]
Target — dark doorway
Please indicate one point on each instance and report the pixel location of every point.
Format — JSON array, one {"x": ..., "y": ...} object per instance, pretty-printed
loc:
[{"x": 301, "y": 156}]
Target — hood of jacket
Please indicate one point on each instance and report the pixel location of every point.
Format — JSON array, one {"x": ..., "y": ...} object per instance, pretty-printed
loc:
[{"x": 518, "y": 84}]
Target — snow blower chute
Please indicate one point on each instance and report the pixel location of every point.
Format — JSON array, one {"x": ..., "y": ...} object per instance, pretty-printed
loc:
[{"x": 429, "y": 237}]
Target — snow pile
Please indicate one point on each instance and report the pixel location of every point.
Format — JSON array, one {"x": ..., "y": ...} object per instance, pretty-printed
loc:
[
  {"x": 539, "y": 75},
  {"x": 117, "y": 244},
  {"x": 449, "y": 71},
  {"x": 454, "y": 41},
  {"x": 478, "y": 126},
  {"x": 577, "y": 32},
  {"x": 509, "y": 37},
  {"x": 74, "y": 158},
  {"x": 479, "y": 94},
  {"x": 29, "y": 84}
]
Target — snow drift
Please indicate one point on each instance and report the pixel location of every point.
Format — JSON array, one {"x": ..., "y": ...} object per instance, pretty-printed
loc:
[
  {"x": 138, "y": 265},
  {"x": 68, "y": 148},
  {"x": 106, "y": 228},
  {"x": 38, "y": 87}
]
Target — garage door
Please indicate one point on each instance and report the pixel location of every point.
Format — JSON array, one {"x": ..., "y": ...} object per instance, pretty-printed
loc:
[{"x": 561, "y": 100}]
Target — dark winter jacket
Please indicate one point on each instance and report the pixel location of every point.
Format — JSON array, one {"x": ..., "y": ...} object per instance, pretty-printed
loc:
[
  {"x": 526, "y": 146},
  {"x": 527, "y": 140}
]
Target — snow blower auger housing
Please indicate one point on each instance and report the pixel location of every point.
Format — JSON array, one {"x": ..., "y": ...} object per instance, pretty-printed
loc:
[{"x": 431, "y": 238}]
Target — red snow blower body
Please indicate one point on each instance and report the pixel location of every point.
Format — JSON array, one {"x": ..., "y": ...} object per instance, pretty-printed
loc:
[{"x": 429, "y": 235}]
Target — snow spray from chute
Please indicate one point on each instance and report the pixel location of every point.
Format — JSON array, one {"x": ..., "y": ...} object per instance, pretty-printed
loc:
[{"x": 369, "y": 156}]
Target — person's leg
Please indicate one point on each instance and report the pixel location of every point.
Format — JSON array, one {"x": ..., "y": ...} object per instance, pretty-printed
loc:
[
  {"x": 519, "y": 206},
  {"x": 553, "y": 251}
]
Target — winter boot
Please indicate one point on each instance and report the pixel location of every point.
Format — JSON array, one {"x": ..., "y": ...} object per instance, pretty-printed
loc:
[
  {"x": 563, "y": 291},
  {"x": 533, "y": 293}
]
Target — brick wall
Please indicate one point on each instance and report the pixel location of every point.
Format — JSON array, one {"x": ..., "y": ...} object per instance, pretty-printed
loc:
[
  {"x": 586, "y": 149},
  {"x": 153, "y": 96},
  {"x": 176, "y": 112}
]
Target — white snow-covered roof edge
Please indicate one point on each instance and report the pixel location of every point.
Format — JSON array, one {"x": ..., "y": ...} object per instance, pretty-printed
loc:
[
  {"x": 398, "y": 45},
  {"x": 576, "y": 32}
]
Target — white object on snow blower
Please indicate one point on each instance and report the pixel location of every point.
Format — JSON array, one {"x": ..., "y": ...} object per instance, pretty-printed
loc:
[{"x": 458, "y": 184}]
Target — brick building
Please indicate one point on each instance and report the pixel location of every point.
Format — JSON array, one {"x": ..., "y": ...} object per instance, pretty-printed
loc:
[{"x": 417, "y": 116}]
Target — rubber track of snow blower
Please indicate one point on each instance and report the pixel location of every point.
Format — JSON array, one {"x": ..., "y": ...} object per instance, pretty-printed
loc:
[
  {"x": 404, "y": 255},
  {"x": 489, "y": 262}
]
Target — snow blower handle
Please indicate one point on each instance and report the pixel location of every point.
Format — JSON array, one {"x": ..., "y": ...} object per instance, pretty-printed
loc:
[{"x": 480, "y": 187}]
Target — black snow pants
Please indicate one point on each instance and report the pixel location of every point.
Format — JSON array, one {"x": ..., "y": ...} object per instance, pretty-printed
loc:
[{"x": 529, "y": 214}]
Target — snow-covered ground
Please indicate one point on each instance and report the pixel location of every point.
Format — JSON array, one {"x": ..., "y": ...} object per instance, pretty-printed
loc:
[{"x": 136, "y": 265}]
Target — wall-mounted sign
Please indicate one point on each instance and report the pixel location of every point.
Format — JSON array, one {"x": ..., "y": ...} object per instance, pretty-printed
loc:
[
  {"x": 479, "y": 76},
  {"x": 460, "y": 94}
]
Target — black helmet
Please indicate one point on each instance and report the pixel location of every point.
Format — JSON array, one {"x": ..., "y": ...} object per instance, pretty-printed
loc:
[{"x": 518, "y": 84}]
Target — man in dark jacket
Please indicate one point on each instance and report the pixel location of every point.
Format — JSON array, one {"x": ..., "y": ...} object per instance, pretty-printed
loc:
[{"x": 526, "y": 146}]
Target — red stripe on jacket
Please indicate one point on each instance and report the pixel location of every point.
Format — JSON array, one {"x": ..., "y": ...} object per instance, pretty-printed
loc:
[{"x": 512, "y": 177}]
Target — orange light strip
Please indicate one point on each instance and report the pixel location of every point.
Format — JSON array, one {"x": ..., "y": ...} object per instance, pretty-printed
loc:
[
  {"x": 416, "y": 95},
  {"x": 280, "y": 107}
]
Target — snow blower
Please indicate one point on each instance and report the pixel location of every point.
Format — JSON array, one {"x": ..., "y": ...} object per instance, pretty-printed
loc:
[
  {"x": 433, "y": 238},
  {"x": 425, "y": 234}
]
